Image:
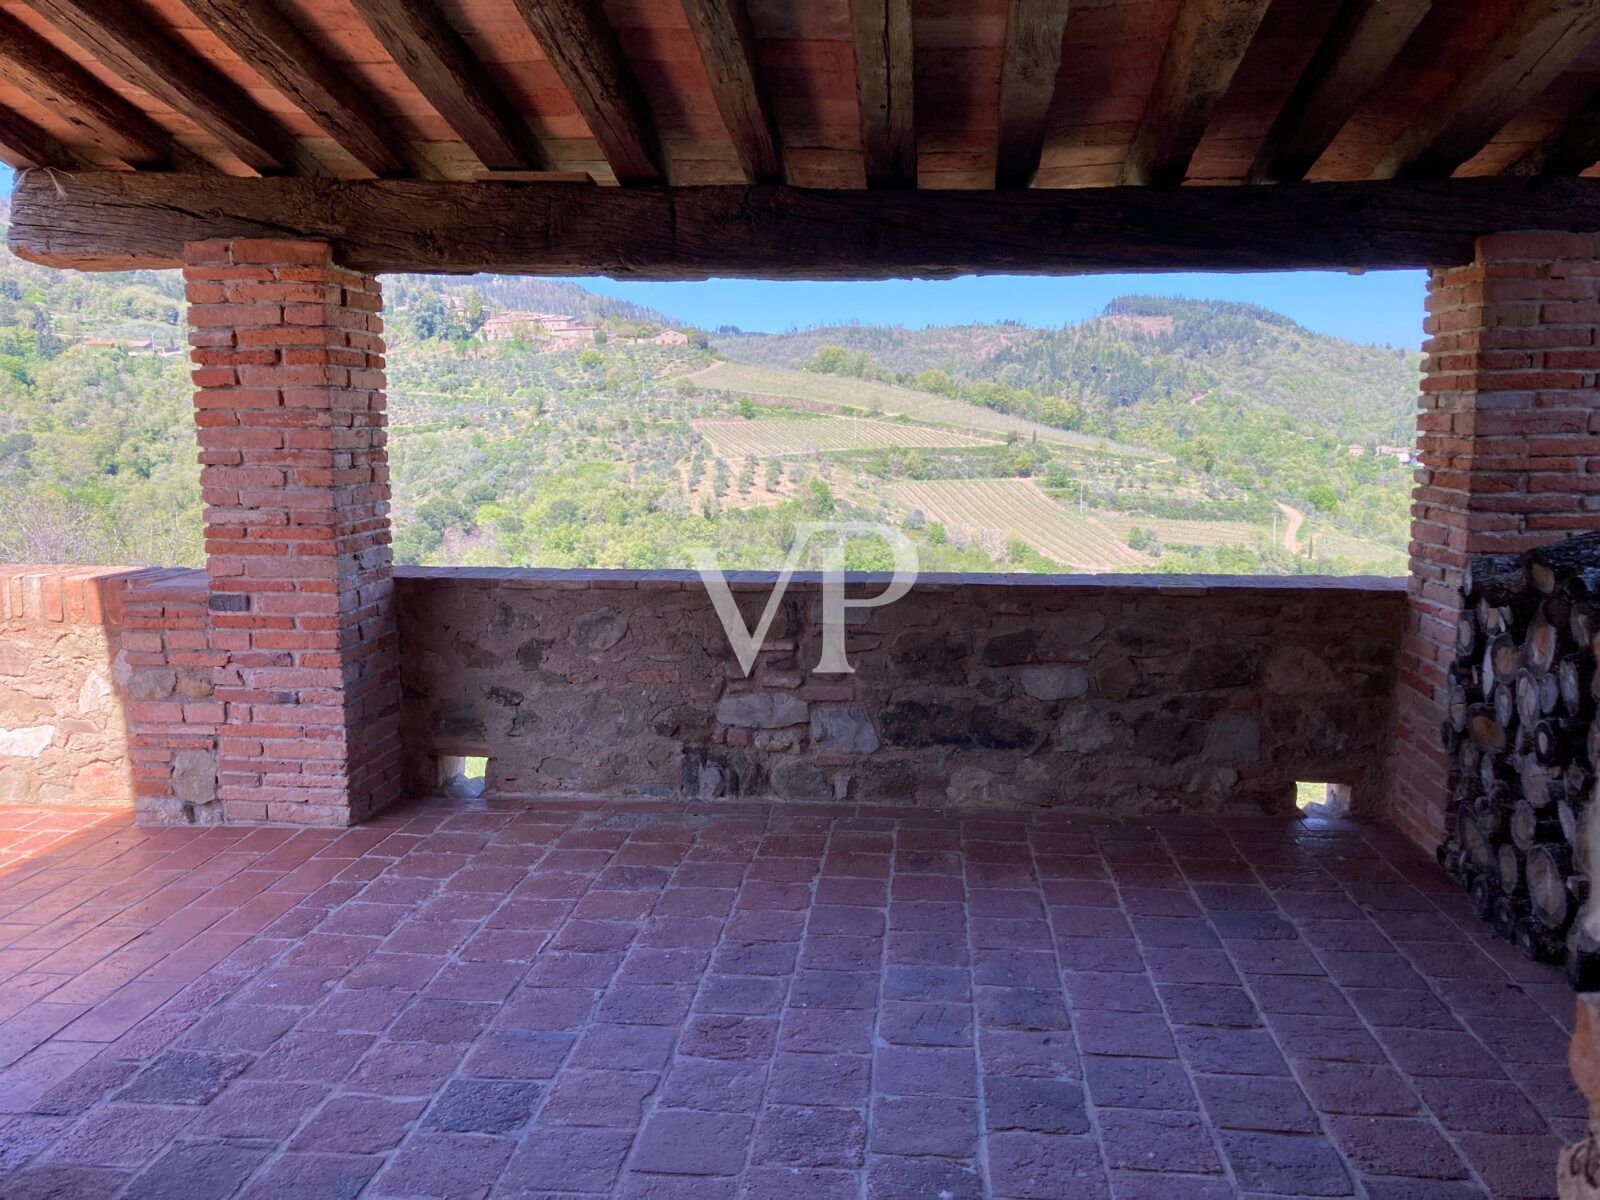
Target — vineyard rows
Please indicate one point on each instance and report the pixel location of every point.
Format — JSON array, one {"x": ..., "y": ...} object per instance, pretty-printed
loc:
[
  {"x": 1174, "y": 532},
  {"x": 1018, "y": 509},
  {"x": 738, "y": 438},
  {"x": 863, "y": 394},
  {"x": 1369, "y": 556}
]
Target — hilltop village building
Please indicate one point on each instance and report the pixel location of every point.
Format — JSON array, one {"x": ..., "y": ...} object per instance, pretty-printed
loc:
[{"x": 558, "y": 330}]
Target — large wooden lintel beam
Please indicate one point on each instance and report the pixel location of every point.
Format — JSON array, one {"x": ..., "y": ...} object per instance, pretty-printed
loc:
[{"x": 117, "y": 220}]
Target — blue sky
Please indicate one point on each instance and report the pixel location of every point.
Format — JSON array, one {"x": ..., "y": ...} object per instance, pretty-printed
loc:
[{"x": 1382, "y": 307}]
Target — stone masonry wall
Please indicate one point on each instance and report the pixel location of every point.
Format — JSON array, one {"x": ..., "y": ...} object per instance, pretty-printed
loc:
[
  {"x": 105, "y": 692},
  {"x": 1123, "y": 694}
]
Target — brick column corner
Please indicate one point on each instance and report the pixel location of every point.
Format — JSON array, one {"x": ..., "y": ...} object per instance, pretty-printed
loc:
[
  {"x": 1508, "y": 435},
  {"x": 290, "y": 406}
]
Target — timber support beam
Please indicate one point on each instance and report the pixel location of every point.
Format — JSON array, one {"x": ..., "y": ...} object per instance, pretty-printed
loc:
[{"x": 120, "y": 220}]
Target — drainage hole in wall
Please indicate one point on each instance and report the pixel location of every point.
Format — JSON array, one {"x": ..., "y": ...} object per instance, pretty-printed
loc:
[
  {"x": 462, "y": 775},
  {"x": 1322, "y": 799}
]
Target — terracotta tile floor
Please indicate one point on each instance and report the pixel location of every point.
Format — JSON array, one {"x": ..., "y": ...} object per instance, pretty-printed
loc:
[{"x": 653, "y": 1003}]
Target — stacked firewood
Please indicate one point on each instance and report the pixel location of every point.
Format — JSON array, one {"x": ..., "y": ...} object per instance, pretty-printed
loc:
[{"x": 1522, "y": 733}]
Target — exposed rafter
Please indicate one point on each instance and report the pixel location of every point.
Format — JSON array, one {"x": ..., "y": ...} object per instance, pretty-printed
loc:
[
  {"x": 33, "y": 64},
  {"x": 1027, "y": 85},
  {"x": 1206, "y": 45},
  {"x": 23, "y": 144},
  {"x": 111, "y": 220},
  {"x": 1537, "y": 44},
  {"x": 128, "y": 44},
  {"x": 881, "y": 30},
  {"x": 1573, "y": 147},
  {"x": 585, "y": 53},
  {"x": 728, "y": 48},
  {"x": 1365, "y": 39},
  {"x": 440, "y": 64},
  {"x": 261, "y": 35}
]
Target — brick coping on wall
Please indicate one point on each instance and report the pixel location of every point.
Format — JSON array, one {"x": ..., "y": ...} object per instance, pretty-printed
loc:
[
  {"x": 76, "y": 594},
  {"x": 21, "y": 582},
  {"x": 1173, "y": 585},
  {"x": 79, "y": 595}
]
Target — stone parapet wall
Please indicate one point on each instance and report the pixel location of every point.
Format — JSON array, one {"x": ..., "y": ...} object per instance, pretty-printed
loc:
[
  {"x": 1125, "y": 694},
  {"x": 105, "y": 694}
]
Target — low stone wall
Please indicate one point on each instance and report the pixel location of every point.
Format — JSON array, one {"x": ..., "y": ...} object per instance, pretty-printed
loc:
[
  {"x": 1125, "y": 694},
  {"x": 105, "y": 691},
  {"x": 62, "y": 738}
]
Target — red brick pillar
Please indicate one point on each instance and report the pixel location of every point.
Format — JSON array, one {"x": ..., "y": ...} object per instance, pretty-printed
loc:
[
  {"x": 1509, "y": 434},
  {"x": 290, "y": 409}
]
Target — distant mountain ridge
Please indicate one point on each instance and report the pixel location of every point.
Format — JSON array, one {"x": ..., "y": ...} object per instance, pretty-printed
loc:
[{"x": 1143, "y": 349}]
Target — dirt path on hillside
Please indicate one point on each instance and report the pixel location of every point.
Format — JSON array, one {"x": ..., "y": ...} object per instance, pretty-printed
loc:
[{"x": 1291, "y": 532}]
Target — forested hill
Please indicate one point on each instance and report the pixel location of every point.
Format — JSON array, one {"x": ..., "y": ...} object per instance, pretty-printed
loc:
[
  {"x": 1141, "y": 353},
  {"x": 1170, "y": 434},
  {"x": 517, "y": 292}
]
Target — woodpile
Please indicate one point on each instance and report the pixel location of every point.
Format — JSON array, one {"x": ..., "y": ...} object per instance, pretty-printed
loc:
[{"x": 1520, "y": 728}]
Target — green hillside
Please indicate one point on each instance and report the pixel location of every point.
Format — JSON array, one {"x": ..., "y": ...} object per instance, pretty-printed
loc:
[
  {"x": 1163, "y": 436},
  {"x": 1237, "y": 394}
]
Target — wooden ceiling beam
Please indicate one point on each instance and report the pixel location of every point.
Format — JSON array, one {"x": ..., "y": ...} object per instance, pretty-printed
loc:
[
  {"x": 1028, "y": 72},
  {"x": 585, "y": 53},
  {"x": 1360, "y": 47},
  {"x": 440, "y": 65},
  {"x": 885, "y": 66},
  {"x": 1537, "y": 44},
  {"x": 262, "y": 36},
  {"x": 727, "y": 44},
  {"x": 54, "y": 80},
  {"x": 24, "y": 145},
  {"x": 114, "y": 220},
  {"x": 1573, "y": 147},
  {"x": 125, "y": 42},
  {"x": 1207, "y": 43}
]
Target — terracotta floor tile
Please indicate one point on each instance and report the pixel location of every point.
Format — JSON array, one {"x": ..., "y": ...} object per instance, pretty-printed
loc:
[{"x": 648, "y": 1002}]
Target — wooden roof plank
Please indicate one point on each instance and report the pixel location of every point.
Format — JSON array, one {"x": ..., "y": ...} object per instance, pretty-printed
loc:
[
  {"x": 440, "y": 64},
  {"x": 1034, "y": 30},
  {"x": 1537, "y": 44},
  {"x": 1363, "y": 43},
  {"x": 24, "y": 145},
  {"x": 125, "y": 42},
  {"x": 1204, "y": 49},
  {"x": 727, "y": 45},
  {"x": 35, "y": 65},
  {"x": 276, "y": 49},
  {"x": 885, "y": 68},
  {"x": 586, "y": 55},
  {"x": 1573, "y": 147},
  {"x": 113, "y": 220}
]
